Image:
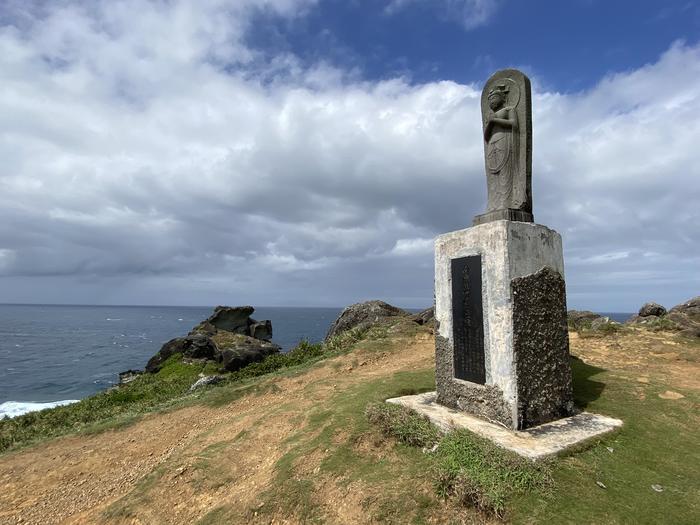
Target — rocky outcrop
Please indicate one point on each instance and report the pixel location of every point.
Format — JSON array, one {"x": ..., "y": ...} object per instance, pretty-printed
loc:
[
  {"x": 691, "y": 308},
  {"x": 237, "y": 320},
  {"x": 245, "y": 353},
  {"x": 128, "y": 376},
  {"x": 229, "y": 337},
  {"x": 684, "y": 317},
  {"x": 424, "y": 317},
  {"x": 364, "y": 315},
  {"x": 197, "y": 346},
  {"x": 687, "y": 317},
  {"x": 652, "y": 309},
  {"x": 579, "y": 319}
]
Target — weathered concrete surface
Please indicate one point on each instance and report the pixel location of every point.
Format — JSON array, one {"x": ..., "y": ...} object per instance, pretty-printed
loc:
[
  {"x": 509, "y": 250},
  {"x": 534, "y": 443},
  {"x": 541, "y": 348}
]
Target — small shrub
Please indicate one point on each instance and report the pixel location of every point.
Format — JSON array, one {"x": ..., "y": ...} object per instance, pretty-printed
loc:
[
  {"x": 478, "y": 473},
  {"x": 609, "y": 328},
  {"x": 660, "y": 325},
  {"x": 404, "y": 424}
]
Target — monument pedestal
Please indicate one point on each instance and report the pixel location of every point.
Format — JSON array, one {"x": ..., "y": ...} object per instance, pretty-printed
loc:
[{"x": 502, "y": 346}]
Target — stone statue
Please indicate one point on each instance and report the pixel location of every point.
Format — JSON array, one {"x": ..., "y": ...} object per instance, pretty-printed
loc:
[{"x": 506, "y": 110}]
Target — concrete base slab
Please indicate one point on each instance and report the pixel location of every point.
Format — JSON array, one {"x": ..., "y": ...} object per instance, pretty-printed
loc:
[{"x": 534, "y": 443}]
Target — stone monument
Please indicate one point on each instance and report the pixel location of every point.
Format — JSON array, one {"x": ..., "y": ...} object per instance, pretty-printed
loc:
[
  {"x": 502, "y": 347},
  {"x": 506, "y": 110},
  {"x": 501, "y": 342}
]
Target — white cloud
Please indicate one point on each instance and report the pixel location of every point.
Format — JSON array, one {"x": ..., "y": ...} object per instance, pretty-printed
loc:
[
  {"x": 413, "y": 246},
  {"x": 468, "y": 13},
  {"x": 159, "y": 159}
]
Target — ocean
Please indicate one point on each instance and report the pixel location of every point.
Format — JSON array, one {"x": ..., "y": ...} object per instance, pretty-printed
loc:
[{"x": 51, "y": 354}]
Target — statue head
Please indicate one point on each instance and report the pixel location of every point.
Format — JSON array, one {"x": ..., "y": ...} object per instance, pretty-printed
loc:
[{"x": 498, "y": 96}]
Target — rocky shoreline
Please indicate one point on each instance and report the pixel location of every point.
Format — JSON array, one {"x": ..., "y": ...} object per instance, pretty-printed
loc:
[
  {"x": 683, "y": 318},
  {"x": 231, "y": 339}
]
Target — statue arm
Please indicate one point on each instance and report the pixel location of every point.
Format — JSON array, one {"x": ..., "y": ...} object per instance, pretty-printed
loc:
[
  {"x": 510, "y": 122},
  {"x": 507, "y": 122}
]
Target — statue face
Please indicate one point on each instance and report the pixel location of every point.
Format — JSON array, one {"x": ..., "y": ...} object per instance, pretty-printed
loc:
[{"x": 496, "y": 101}]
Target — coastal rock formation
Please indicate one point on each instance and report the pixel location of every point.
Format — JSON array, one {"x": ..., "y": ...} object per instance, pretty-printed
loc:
[
  {"x": 197, "y": 346},
  {"x": 579, "y": 319},
  {"x": 684, "y": 317},
  {"x": 237, "y": 320},
  {"x": 128, "y": 376},
  {"x": 687, "y": 316},
  {"x": 363, "y": 315},
  {"x": 691, "y": 308},
  {"x": 426, "y": 316},
  {"x": 649, "y": 309},
  {"x": 229, "y": 337}
]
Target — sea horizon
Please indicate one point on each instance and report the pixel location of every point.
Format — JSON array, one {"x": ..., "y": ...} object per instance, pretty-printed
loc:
[{"x": 51, "y": 354}]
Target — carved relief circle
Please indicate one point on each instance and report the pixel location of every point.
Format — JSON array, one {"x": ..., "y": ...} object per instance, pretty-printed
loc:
[{"x": 513, "y": 92}]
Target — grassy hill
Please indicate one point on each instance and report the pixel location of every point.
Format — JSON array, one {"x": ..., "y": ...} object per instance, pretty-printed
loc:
[{"x": 291, "y": 442}]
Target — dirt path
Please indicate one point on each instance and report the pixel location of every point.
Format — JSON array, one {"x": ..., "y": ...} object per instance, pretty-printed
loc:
[{"x": 76, "y": 479}]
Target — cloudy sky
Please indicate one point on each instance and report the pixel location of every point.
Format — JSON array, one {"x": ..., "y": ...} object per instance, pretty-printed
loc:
[{"x": 307, "y": 152}]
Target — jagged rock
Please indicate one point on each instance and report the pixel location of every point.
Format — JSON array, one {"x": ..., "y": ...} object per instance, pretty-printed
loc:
[
  {"x": 261, "y": 330},
  {"x": 690, "y": 308},
  {"x": 638, "y": 319},
  {"x": 128, "y": 376},
  {"x": 364, "y": 314},
  {"x": 229, "y": 336},
  {"x": 234, "y": 319},
  {"x": 687, "y": 317},
  {"x": 205, "y": 381},
  {"x": 243, "y": 351},
  {"x": 649, "y": 309},
  {"x": 581, "y": 318},
  {"x": 170, "y": 348},
  {"x": 200, "y": 346},
  {"x": 424, "y": 317},
  {"x": 197, "y": 346}
]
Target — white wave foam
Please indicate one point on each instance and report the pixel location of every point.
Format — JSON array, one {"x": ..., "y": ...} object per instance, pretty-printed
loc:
[{"x": 17, "y": 408}]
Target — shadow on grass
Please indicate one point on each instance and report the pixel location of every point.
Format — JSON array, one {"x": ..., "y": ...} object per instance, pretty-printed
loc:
[{"x": 585, "y": 389}]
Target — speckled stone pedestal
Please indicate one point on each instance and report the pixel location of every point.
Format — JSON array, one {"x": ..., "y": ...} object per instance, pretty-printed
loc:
[
  {"x": 502, "y": 344},
  {"x": 534, "y": 443}
]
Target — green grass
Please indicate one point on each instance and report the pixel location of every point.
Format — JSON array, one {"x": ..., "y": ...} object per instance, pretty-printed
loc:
[
  {"x": 657, "y": 445},
  {"x": 342, "y": 443},
  {"x": 166, "y": 389},
  {"x": 660, "y": 325},
  {"x": 471, "y": 470},
  {"x": 336, "y": 435},
  {"x": 404, "y": 424},
  {"x": 114, "y": 407},
  {"x": 586, "y": 330},
  {"x": 479, "y": 474}
]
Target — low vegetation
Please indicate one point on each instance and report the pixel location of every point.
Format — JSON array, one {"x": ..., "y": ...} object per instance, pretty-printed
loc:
[
  {"x": 306, "y": 440},
  {"x": 404, "y": 424},
  {"x": 470, "y": 470},
  {"x": 148, "y": 392}
]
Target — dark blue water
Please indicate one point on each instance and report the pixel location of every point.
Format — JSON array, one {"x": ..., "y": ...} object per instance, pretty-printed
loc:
[
  {"x": 52, "y": 353},
  {"x": 617, "y": 316}
]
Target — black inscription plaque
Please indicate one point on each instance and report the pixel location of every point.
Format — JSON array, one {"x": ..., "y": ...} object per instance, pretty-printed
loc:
[{"x": 468, "y": 319}]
